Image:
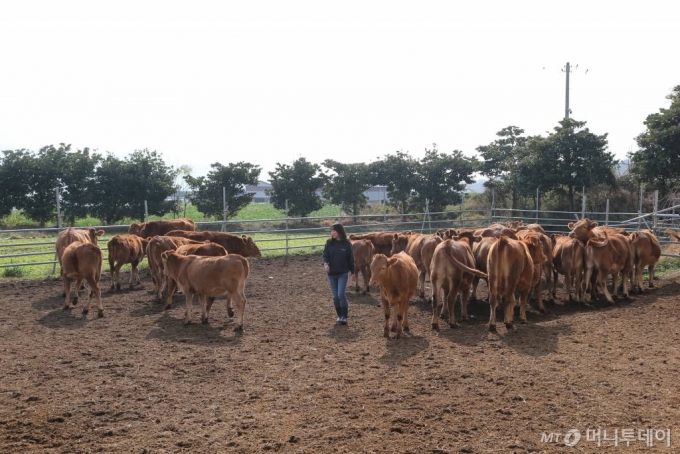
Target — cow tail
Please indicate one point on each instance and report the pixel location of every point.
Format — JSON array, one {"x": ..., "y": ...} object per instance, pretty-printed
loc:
[
  {"x": 113, "y": 247},
  {"x": 462, "y": 266}
]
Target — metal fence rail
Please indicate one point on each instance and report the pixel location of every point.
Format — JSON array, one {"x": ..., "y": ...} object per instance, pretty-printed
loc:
[{"x": 299, "y": 233}]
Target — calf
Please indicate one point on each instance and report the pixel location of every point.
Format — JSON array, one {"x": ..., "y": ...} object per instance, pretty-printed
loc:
[
  {"x": 156, "y": 246},
  {"x": 363, "y": 254},
  {"x": 420, "y": 247},
  {"x": 511, "y": 267},
  {"x": 125, "y": 249},
  {"x": 452, "y": 272},
  {"x": 209, "y": 277},
  {"x": 480, "y": 252},
  {"x": 646, "y": 252},
  {"x": 82, "y": 261},
  {"x": 546, "y": 268},
  {"x": 234, "y": 244},
  {"x": 568, "y": 260},
  {"x": 71, "y": 235},
  {"x": 382, "y": 241},
  {"x": 397, "y": 277},
  {"x": 153, "y": 228}
]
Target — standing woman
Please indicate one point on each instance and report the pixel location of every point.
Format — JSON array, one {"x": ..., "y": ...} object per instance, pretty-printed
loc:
[{"x": 338, "y": 261}]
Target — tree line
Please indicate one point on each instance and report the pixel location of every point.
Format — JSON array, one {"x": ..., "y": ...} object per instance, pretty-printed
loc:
[{"x": 560, "y": 164}]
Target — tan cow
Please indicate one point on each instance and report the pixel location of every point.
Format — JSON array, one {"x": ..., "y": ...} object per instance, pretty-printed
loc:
[
  {"x": 157, "y": 245},
  {"x": 452, "y": 271},
  {"x": 420, "y": 247},
  {"x": 153, "y": 228},
  {"x": 496, "y": 231},
  {"x": 234, "y": 244},
  {"x": 125, "y": 249},
  {"x": 547, "y": 266},
  {"x": 363, "y": 254},
  {"x": 673, "y": 233},
  {"x": 82, "y": 261},
  {"x": 71, "y": 235},
  {"x": 519, "y": 225},
  {"x": 210, "y": 277},
  {"x": 569, "y": 257},
  {"x": 646, "y": 252},
  {"x": 608, "y": 253},
  {"x": 511, "y": 266},
  {"x": 397, "y": 277},
  {"x": 202, "y": 249}
]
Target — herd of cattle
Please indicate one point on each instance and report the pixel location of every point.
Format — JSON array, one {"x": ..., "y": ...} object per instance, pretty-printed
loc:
[{"x": 511, "y": 258}]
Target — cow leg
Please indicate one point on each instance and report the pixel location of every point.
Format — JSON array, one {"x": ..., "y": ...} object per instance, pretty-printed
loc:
[
  {"x": 421, "y": 282},
  {"x": 650, "y": 269},
  {"x": 240, "y": 302},
  {"x": 112, "y": 269},
  {"x": 602, "y": 280},
  {"x": 189, "y": 297},
  {"x": 206, "y": 303},
  {"x": 367, "y": 278},
  {"x": 170, "y": 287},
  {"x": 436, "y": 290},
  {"x": 67, "y": 293},
  {"x": 451, "y": 304},
  {"x": 386, "y": 311},
  {"x": 538, "y": 291},
  {"x": 400, "y": 319},
  {"x": 510, "y": 303},
  {"x": 493, "y": 303},
  {"x": 475, "y": 283},
  {"x": 404, "y": 323},
  {"x": 356, "y": 280},
  {"x": 523, "y": 298}
]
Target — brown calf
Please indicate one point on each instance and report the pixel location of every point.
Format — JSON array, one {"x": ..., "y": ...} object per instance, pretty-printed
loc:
[
  {"x": 452, "y": 272},
  {"x": 153, "y": 228},
  {"x": 646, "y": 252},
  {"x": 420, "y": 247},
  {"x": 82, "y": 261},
  {"x": 363, "y": 254},
  {"x": 234, "y": 244},
  {"x": 125, "y": 249},
  {"x": 210, "y": 277},
  {"x": 569, "y": 257},
  {"x": 397, "y": 277},
  {"x": 157, "y": 245}
]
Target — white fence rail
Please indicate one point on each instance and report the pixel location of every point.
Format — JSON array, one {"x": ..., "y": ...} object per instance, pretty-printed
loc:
[{"x": 301, "y": 233}]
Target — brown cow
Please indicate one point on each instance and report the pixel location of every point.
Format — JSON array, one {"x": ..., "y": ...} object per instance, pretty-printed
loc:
[
  {"x": 234, "y": 244},
  {"x": 496, "y": 231},
  {"x": 71, "y": 235},
  {"x": 420, "y": 247},
  {"x": 202, "y": 249},
  {"x": 82, "y": 261},
  {"x": 210, "y": 277},
  {"x": 452, "y": 271},
  {"x": 125, "y": 249},
  {"x": 397, "y": 277},
  {"x": 511, "y": 267},
  {"x": 673, "y": 233},
  {"x": 569, "y": 260},
  {"x": 646, "y": 252},
  {"x": 382, "y": 241},
  {"x": 519, "y": 225},
  {"x": 363, "y": 254},
  {"x": 152, "y": 228},
  {"x": 547, "y": 266},
  {"x": 157, "y": 245},
  {"x": 605, "y": 252}
]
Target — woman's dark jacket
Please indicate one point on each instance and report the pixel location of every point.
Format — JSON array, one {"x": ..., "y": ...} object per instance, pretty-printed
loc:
[{"x": 339, "y": 256}]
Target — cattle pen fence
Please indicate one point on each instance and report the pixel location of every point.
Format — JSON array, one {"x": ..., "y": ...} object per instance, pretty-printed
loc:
[{"x": 35, "y": 247}]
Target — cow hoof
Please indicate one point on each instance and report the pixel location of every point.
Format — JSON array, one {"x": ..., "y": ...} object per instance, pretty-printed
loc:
[
  {"x": 393, "y": 329},
  {"x": 651, "y": 285},
  {"x": 74, "y": 300},
  {"x": 230, "y": 313},
  {"x": 168, "y": 307},
  {"x": 386, "y": 333},
  {"x": 100, "y": 314},
  {"x": 63, "y": 295},
  {"x": 435, "y": 326},
  {"x": 238, "y": 329},
  {"x": 204, "y": 321},
  {"x": 510, "y": 326},
  {"x": 406, "y": 329},
  {"x": 118, "y": 286},
  {"x": 492, "y": 328},
  {"x": 524, "y": 322},
  {"x": 85, "y": 311},
  {"x": 453, "y": 325},
  {"x": 542, "y": 310},
  {"x": 186, "y": 322},
  {"x": 67, "y": 307}
]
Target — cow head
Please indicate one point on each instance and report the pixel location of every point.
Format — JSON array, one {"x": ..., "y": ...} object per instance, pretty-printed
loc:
[
  {"x": 135, "y": 229},
  {"x": 399, "y": 243},
  {"x": 514, "y": 225},
  {"x": 249, "y": 247},
  {"x": 582, "y": 230},
  {"x": 533, "y": 243},
  {"x": 94, "y": 234},
  {"x": 379, "y": 265}
]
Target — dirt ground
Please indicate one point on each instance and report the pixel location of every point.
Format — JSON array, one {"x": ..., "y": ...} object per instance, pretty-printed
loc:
[{"x": 139, "y": 381}]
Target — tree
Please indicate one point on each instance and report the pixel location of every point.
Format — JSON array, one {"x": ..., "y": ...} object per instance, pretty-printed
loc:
[
  {"x": 298, "y": 184},
  {"x": 47, "y": 169},
  {"x": 569, "y": 158},
  {"x": 503, "y": 159},
  {"x": 151, "y": 180},
  {"x": 109, "y": 191},
  {"x": 398, "y": 173},
  {"x": 346, "y": 187},
  {"x": 657, "y": 162},
  {"x": 78, "y": 179},
  {"x": 181, "y": 196},
  {"x": 442, "y": 178},
  {"x": 15, "y": 169},
  {"x": 207, "y": 190}
]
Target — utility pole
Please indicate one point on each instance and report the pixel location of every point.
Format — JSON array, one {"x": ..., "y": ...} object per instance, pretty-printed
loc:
[{"x": 566, "y": 96}]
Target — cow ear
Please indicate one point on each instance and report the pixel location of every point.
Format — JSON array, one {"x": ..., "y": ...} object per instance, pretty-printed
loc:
[
  {"x": 571, "y": 226},
  {"x": 100, "y": 232},
  {"x": 396, "y": 236},
  {"x": 593, "y": 224}
]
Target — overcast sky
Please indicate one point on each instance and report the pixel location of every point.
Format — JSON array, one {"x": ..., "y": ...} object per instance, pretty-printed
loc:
[{"x": 268, "y": 82}]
